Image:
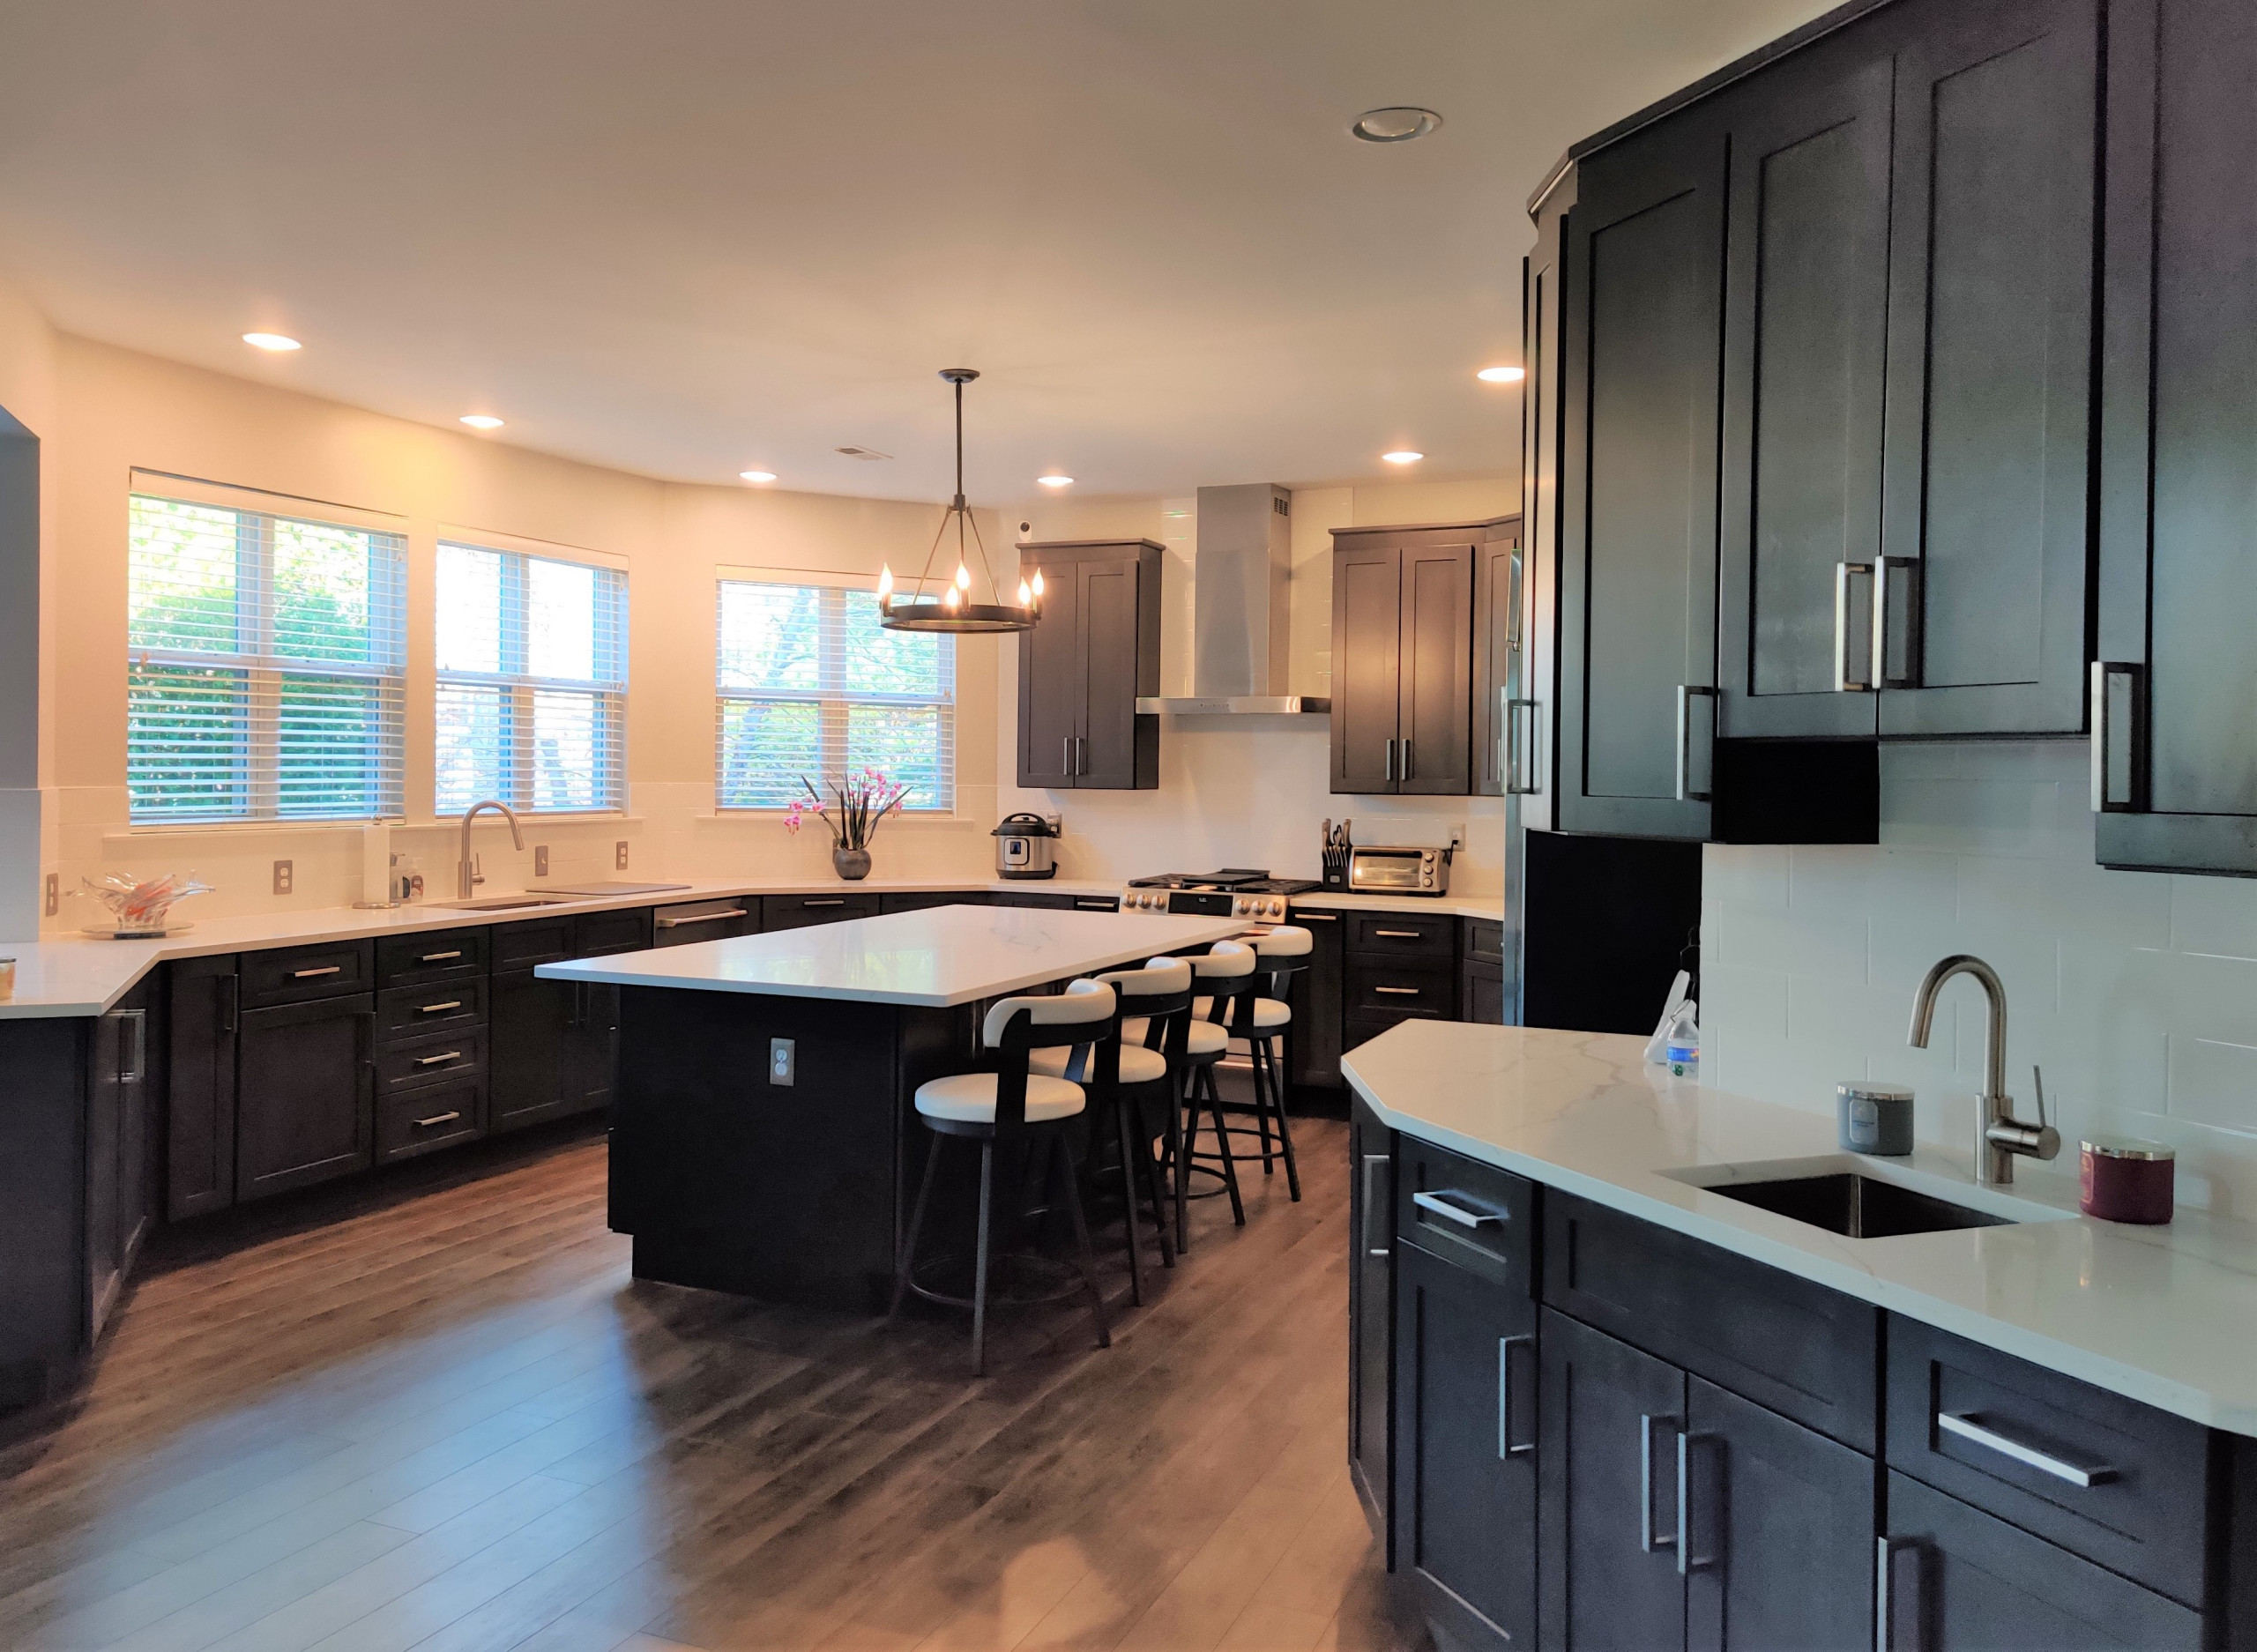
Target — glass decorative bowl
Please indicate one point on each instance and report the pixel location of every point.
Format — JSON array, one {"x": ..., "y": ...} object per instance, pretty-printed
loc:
[{"x": 140, "y": 909}]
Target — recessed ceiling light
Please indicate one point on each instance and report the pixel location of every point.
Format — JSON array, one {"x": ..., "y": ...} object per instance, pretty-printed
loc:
[
  {"x": 1396, "y": 124},
  {"x": 275, "y": 341},
  {"x": 481, "y": 421},
  {"x": 758, "y": 476},
  {"x": 1403, "y": 456},
  {"x": 1500, "y": 376},
  {"x": 1055, "y": 482}
]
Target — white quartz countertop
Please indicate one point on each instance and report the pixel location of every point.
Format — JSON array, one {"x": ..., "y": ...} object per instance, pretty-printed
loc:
[
  {"x": 2163, "y": 1315},
  {"x": 939, "y": 958},
  {"x": 1489, "y": 906}
]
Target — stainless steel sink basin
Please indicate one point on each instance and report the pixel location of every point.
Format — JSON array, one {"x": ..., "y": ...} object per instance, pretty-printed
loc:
[
  {"x": 1859, "y": 1207},
  {"x": 505, "y": 903}
]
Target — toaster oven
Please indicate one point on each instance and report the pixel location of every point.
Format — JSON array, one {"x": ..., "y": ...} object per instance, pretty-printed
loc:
[{"x": 1377, "y": 870}]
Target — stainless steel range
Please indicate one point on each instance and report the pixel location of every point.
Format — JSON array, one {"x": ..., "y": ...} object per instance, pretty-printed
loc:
[{"x": 1233, "y": 892}]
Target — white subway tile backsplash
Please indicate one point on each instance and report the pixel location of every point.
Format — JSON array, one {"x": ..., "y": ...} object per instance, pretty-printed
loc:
[{"x": 2214, "y": 1081}]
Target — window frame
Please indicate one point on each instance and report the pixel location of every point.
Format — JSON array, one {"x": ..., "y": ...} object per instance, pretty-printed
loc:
[
  {"x": 523, "y": 687},
  {"x": 833, "y": 702}
]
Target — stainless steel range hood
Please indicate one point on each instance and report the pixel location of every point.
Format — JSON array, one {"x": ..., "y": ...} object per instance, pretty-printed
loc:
[{"x": 1239, "y": 607}]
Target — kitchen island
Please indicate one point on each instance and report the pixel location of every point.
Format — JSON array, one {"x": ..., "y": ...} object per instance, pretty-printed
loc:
[{"x": 764, "y": 1134}]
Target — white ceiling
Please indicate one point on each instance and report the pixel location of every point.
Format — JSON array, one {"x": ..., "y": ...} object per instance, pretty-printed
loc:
[{"x": 684, "y": 237}]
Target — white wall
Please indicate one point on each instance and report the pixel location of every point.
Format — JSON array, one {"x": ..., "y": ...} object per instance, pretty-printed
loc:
[
  {"x": 1249, "y": 791},
  {"x": 2137, "y": 991}
]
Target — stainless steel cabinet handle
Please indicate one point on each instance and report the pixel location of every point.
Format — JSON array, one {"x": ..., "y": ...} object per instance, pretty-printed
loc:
[
  {"x": 2114, "y": 747},
  {"x": 308, "y": 975},
  {"x": 1843, "y": 682},
  {"x": 1400, "y": 934},
  {"x": 1065, "y": 753},
  {"x": 433, "y": 1061},
  {"x": 1456, "y": 1213},
  {"x": 1505, "y": 1445},
  {"x": 437, "y": 1119},
  {"x": 439, "y": 958},
  {"x": 1688, "y": 1562},
  {"x": 1895, "y": 579},
  {"x": 1081, "y": 754},
  {"x": 1407, "y": 760},
  {"x": 1390, "y": 761},
  {"x": 1522, "y": 728},
  {"x": 701, "y": 917},
  {"x": 229, "y": 1008},
  {"x": 1686, "y": 693},
  {"x": 433, "y": 1009},
  {"x": 835, "y": 900},
  {"x": 139, "y": 1069},
  {"x": 1649, "y": 1539},
  {"x": 1884, "y": 1624},
  {"x": 1397, "y": 992},
  {"x": 1301, "y": 917},
  {"x": 1372, "y": 1161},
  {"x": 1098, "y": 906},
  {"x": 1964, "y": 1425}
]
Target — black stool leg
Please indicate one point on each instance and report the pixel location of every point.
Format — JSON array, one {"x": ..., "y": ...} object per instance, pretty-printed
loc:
[
  {"x": 1261, "y": 1101},
  {"x": 1155, "y": 1187},
  {"x": 908, "y": 1257},
  {"x": 1223, "y": 1141},
  {"x": 1285, "y": 1134},
  {"x": 1180, "y": 1109},
  {"x": 980, "y": 1260},
  {"x": 1084, "y": 1258},
  {"x": 1129, "y": 1203}
]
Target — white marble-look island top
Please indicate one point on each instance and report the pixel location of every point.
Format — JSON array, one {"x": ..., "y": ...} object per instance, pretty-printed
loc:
[
  {"x": 937, "y": 958},
  {"x": 2163, "y": 1315}
]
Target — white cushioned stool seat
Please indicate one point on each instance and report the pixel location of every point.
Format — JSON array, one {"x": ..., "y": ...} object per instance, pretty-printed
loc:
[
  {"x": 1138, "y": 1065},
  {"x": 1206, "y": 1038},
  {"x": 970, "y": 1097}
]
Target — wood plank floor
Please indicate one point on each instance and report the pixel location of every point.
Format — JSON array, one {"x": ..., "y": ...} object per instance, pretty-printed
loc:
[{"x": 440, "y": 1415}]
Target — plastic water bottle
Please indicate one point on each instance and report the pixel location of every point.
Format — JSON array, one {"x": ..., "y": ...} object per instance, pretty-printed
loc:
[{"x": 1682, "y": 1044}]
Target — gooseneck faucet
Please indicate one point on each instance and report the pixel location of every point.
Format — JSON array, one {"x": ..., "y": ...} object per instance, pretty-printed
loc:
[
  {"x": 1999, "y": 1135},
  {"x": 466, "y": 877}
]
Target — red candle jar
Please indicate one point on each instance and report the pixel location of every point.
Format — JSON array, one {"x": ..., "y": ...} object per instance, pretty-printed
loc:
[{"x": 2127, "y": 1180}]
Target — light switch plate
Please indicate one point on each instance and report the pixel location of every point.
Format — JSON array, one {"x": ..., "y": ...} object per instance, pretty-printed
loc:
[
  {"x": 54, "y": 894},
  {"x": 783, "y": 1060},
  {"x": 284, "y": 876},
  {"x": 541, "y": 861},
  {"x": 619, "y": 855}
]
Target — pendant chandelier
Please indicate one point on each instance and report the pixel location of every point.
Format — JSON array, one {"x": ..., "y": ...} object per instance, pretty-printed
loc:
[{"x": 948, "y": 607}]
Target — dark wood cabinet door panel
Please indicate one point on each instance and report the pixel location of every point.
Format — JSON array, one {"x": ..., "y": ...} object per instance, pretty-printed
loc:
[
  {"x": 1313, "y": 1043},
  {"x": 413, "y": 1122},
  {"x": 1050, "y": 689},
  {"x": 1435, "y": 722},
  {"x": 1366, "y": 667},
  {"x": 1607, "y": 1519},
  {"x": 1962, "y": 1581},
  {"x": 291, "y": 975},
  {"x": 797, "y": 911},
  {"x": 303, "y": 1100},
  {"x": 918, "y": 901},
  {"x": 1107, "y": 610},
  {"x": 1399, "y": 991},
  {"x": 1496, "y": 648},
  {"x": 532, "y": 1039},
  {"x": 203, "y": 1013},
  {"x": 436, "y": 954},
  {"x": 595, "y": 934},
  {"x": 1638, "y": 559},
  {"x": 1779, "y": 1529},
  {"x": 1805, "y": 340},
  {"x": 519, "y": 946},
  {"x": 1991, "y": 271},
  {"x": 1481, "y": 993},
  {"x": 1465, "y": 1447},
  {"x": 1371, "y": 1316},
  {"x": 418, "y": 1012}
]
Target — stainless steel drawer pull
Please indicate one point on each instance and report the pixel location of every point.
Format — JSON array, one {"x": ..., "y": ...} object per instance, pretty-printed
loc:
[
  {"x": 703, "y": 918},
  {"x": 433, "y": 1009},
  {"x": 1884, "y": 1613},
  {"x": 1649, "y": 1539},
  {"x": 433, "y": 1061},
  {"x": 1372, "y": 1162},
  {"x": 1506, "y": 1447},
  {"x": 1964, "y": 1425},
  {"x": 1456, "y": 1213},
  {"x": 1397, "y": 992},
  {"x": 833, "y": 901},
  {"x": 308, "y": 975},
  {"x": 1400, "y": 934},
  {"x": 436, "y": 1119},
  {"x": 1301, "y": 917},
  {"x": 439, "y": 958}
]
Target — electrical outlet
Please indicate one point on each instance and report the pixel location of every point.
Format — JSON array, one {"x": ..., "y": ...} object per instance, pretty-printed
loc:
[
  {"x": 283, "y": 870},
  {"x": 619, "y": 855},
  {"x": 54, "y": 894},
  {"x": 541, "y": 861},
  {"x": 783, "y": 1060}
]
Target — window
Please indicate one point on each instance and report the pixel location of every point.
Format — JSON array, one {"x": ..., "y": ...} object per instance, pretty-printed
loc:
[
  {"x": 265, "y": 674},
  {"x": 811, "y": 684},
  {"x": 532, "y": 696}
]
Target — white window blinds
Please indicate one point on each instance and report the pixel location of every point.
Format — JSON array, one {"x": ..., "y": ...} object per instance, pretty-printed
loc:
[
  {"x": 531, "y": 694},
  {"x": 811, "y": 684},
  {"x": 264, "y": 676}
]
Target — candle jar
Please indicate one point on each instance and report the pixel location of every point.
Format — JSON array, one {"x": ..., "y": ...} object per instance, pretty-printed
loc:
[
  {"x": 2123, "y": 1178},
  {"x": 1874, "y": 1118}
]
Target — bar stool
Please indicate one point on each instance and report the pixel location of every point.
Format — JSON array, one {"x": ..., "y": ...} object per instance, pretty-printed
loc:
[
  {"x": 1223, "y": 977},
  {"x": 1004, "y": 1108},
  {"x": 1280, "y": 955},
  {"x": 1131, "y": 1073}
]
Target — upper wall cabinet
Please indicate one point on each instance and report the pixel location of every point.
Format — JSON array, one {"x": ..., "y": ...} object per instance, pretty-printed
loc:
[
  {"x": 1502, "y": 739},
  {"x": 1081, "y": 668},
  {"x": 1403, "y": 654},
  {"x": 2174, "y": 745}
]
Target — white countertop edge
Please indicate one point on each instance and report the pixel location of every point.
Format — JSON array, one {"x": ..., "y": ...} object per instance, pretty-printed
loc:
[{"x": 2135, "y": 1382}]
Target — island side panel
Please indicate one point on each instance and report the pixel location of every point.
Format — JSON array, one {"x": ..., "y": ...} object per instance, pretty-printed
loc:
[{"x": 730, "y": 1182}]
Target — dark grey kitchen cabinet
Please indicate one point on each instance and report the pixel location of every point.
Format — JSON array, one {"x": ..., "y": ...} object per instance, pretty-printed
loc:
[
  {"x": 1403, "y": 664},
  {"x": 1465, "y": 1447},
  {"x": 304, "y": 1094},
  {"x": 1484, "y": 994},
  {"x": 797, "y": 911},
  {"x": 690, "y": 921},
  {"x": 2175, "y": 749},
  {"x": 552, "y": 1045},
  {"x": 125, "y": 1077},
  {"x": 1096, "y": 649},
  {"x": 1498, "y": 565},
  {"x": 202, "y": 1011},
  {"x": 1371, "y": 1317},
  {"x": 1313, "y": 1041}
]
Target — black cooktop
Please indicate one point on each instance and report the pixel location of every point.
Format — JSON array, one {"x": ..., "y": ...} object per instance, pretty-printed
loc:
[{"x": 1238, "y": 880}]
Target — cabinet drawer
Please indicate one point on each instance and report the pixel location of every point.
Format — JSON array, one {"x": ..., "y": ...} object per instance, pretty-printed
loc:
[
  {"x": 418, "y": 1120},
  {"x": 538, "y": 940},
  {"x": 1399, "y": 935},
  {"x": 294, "y": 975},
  {"x": 796, "y": 912},
  {"x": 924, "y": 900},
  {"x": 596, "y": 933},
  {"x": 405, "y": 1013},
  {"x": 1355, "y": 1030},
  {"x": 404, "y": 960},
  {"x": 1474, "y": 1214},
  {"x": 705, "y": 920},
  {"x": 2018, "y": 1440},
  {"x": 1485, "y": 939},
  {"x": 432, "y": 1061},
  {"x": 1401, "y": 990},
  {"x": 1806, "y": 1352}
]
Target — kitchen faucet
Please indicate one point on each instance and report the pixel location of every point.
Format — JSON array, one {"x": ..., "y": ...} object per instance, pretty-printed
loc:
[
  {"x": 1999, "y": 1135},
  {"x": 466, "y": 877}
]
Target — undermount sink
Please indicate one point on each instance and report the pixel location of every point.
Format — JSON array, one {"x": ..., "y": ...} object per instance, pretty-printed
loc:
[
  {"x": 1849, "y": 1194},
  {"x": 505, "y": 903}
]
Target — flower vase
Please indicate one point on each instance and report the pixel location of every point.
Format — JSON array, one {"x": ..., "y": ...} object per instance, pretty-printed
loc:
[{"x": 853, "y": 865}]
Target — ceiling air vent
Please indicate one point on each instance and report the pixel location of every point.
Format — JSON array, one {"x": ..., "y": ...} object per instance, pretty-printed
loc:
[{"x": 862, "y": 453}]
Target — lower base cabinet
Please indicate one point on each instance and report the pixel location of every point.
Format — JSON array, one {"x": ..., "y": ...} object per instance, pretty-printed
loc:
[
  {"x": 304, "y": 1092},
  {"x": 553, "y": 1048},
  {"x": 1371, "y": 1315}
]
